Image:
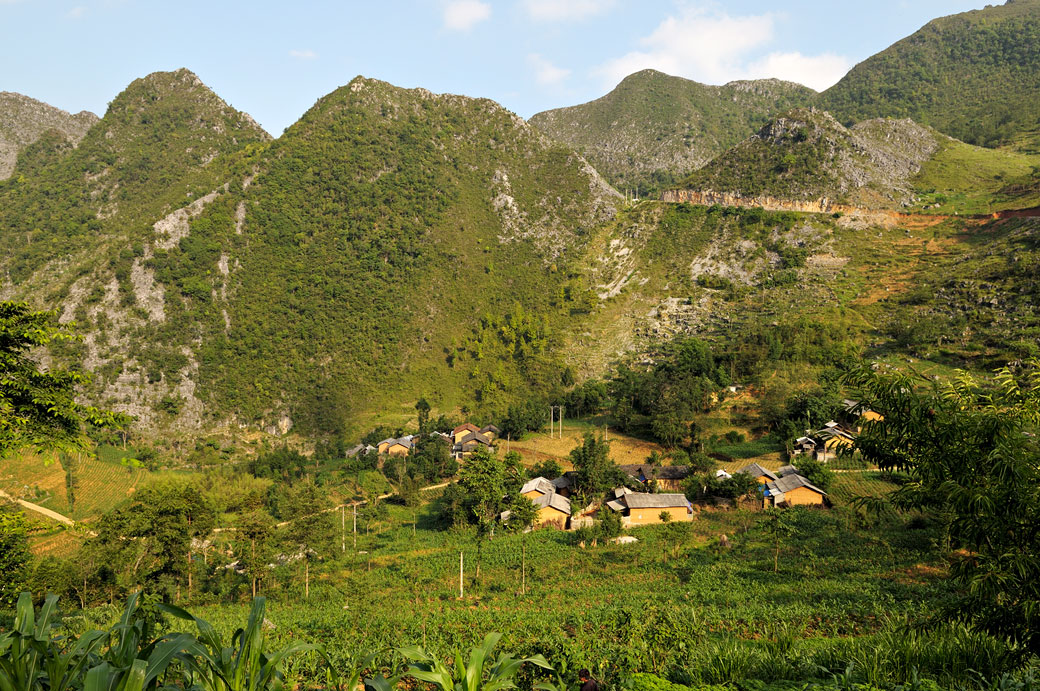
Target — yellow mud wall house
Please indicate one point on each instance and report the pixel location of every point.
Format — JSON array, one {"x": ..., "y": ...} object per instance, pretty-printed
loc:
[
  {"x": 462, "y": 430},
  {"x": 398, "y": 448},
  {"x": 803, "y": 496},
  {"x": 646, "y": 509},
  {"x": 553, "y": 509},
  {"x": 793, "y": 490},
  {"x": 553, "y": 515},
  {"x": 533, "y": 489}
]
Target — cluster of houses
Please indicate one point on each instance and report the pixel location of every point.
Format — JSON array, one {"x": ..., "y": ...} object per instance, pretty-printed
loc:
[
  {"x": 464, "y": 440},
  {"x": 786, "y": 487},
  {"x": 828, "y": 441}
]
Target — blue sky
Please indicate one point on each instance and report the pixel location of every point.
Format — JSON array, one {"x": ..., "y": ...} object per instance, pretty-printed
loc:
[{"x": 275, "y": 59}]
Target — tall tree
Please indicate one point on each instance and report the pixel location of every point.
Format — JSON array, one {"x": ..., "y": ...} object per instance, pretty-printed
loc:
[
  {"x": 971, "y": 455},
  {"x": 596, "y": 472},
  {"x": 311, "y": 529},
  {"x": 14, "y": 554}
]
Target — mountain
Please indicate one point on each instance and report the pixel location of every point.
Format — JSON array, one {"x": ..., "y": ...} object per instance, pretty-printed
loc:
[
  {"x": 974, "y": 76},
  {"x": 394, "y": 244},
  {"x": 391, "y": 244},
  {"x": 78, "y": 226},
  {"x": 653, "y": 129},
  {"x": 806, "y": 156},
  {"x": 24, "y": 120}
]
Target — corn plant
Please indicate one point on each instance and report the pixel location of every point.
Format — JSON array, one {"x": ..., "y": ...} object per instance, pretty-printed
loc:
[
  {"x": 478, "y": 675},
  {"x": 31, "y": 659},
  {"x": 242, "y": 664}
]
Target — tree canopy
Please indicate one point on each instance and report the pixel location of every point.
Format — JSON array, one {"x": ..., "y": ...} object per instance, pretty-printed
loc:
[
  {"x": 971, "y": 457},
  {"x": 37, "y": 406}
]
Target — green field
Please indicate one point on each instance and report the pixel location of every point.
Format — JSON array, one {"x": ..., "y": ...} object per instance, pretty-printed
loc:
[{"x": 674, "y": 604}]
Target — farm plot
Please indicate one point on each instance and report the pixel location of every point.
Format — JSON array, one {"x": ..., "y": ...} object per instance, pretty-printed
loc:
[{"x": 41, "y": 480}]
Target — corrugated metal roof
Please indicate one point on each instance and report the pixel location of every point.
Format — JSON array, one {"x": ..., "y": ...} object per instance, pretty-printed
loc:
[
  {"x": 655, "y": 501},
  {"x": 790, "y": 482},
  {"x": 755, "y": 470},
  {"x": 661, "y": 472},
  {"x": 539, "y": 484}
]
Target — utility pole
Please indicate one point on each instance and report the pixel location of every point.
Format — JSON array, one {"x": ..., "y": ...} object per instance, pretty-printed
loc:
[
  {"x": 355, "y": 526},
  {"x": 342, "y": 528},
  {"x": 460, "y": 575}
]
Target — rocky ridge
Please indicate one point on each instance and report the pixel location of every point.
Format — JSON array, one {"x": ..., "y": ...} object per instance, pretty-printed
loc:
[{"x": 23, "y": 120}]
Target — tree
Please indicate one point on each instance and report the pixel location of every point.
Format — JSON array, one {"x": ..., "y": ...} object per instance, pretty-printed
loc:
[
  {"x": 815, "y": 472},
  {"x": 778, "y": 526},
  {"x": 14, "y": 554},
  {"x": 310, "y": 528},
  {"x": 37, "y": 407},
  {"x": 971, "y": 456},
  {"x": 549, "y": 469},
  {"x": 483, "y": 479},
  {"x": 522, "y": 515},
  {"x": 596, "y": 472},
  {"x": 422, "y": 409}
]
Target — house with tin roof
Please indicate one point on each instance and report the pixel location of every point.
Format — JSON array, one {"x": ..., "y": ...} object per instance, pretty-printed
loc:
[
  {"x": 640, "y": 508},
  {"x": 793, "y": 490}
]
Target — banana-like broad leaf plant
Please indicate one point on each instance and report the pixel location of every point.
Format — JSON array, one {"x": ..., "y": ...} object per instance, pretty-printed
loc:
[{"x": 480, "y": 674}]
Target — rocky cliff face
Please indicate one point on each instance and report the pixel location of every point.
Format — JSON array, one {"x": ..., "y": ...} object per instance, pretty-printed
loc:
[
  {"x": 807, "y": 157},
  {"x": 23, "y": 120}
]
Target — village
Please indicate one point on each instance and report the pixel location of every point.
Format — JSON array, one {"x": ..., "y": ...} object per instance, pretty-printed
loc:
[{"x": 650, "y": 493}]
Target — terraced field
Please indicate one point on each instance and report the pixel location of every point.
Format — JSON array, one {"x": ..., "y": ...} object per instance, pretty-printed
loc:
[{"x": 41, "y": 480}]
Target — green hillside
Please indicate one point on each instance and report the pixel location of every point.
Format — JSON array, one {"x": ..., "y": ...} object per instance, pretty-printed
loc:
[
  {"x": 974, "y": 76},
  {"x": 806, "y": 154},
  {"x": 653, "y": 129},
  {"x": 392, "y": 244},
  {"x": 395, "y": 244},
  {"x": 78, "y": 230}
]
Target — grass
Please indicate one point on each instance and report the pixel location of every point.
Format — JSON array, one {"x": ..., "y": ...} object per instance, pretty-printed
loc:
[
  {"x": 624, "y": 449},
  {"x": 965, "y": 179}
]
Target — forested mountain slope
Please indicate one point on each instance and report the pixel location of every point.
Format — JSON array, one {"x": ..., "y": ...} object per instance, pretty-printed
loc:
[
  {"x": 395, "y": 244},
  {"x": 653, "y": 129},
  {"x": 974, "y": 76},
  {"x": 391, "y": 244},
  {"x": 23, "y": 120}
]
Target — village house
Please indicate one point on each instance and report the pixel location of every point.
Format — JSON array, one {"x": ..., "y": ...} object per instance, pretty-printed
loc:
[
  {"x": 554, "y": 510},
  {"x": 834, "y": 438},
  {"x": 857, "y": 414},
  {"x": 638, "y": 508},
  {"x": 759, "y": 473},
  {"x": 667, "y": 477},
  {"x": 467, "y": 438},
  {"x": 793, "y": 490}
]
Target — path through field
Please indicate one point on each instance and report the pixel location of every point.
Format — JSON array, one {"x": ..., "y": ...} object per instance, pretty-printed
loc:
[{"x": 38, "y": 509}]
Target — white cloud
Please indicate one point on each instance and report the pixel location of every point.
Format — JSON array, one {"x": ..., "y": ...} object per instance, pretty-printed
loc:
[
  {"x": 303, "y": 54},
  {"x": 76, "y": 12},
  {"x": 546, "y": 73},
  {"x": 566, "y": 10},
  {"x": 814, "y": 71},
  {"x": 463, "y": 15},
  {"x": 715, "y": 48}
]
